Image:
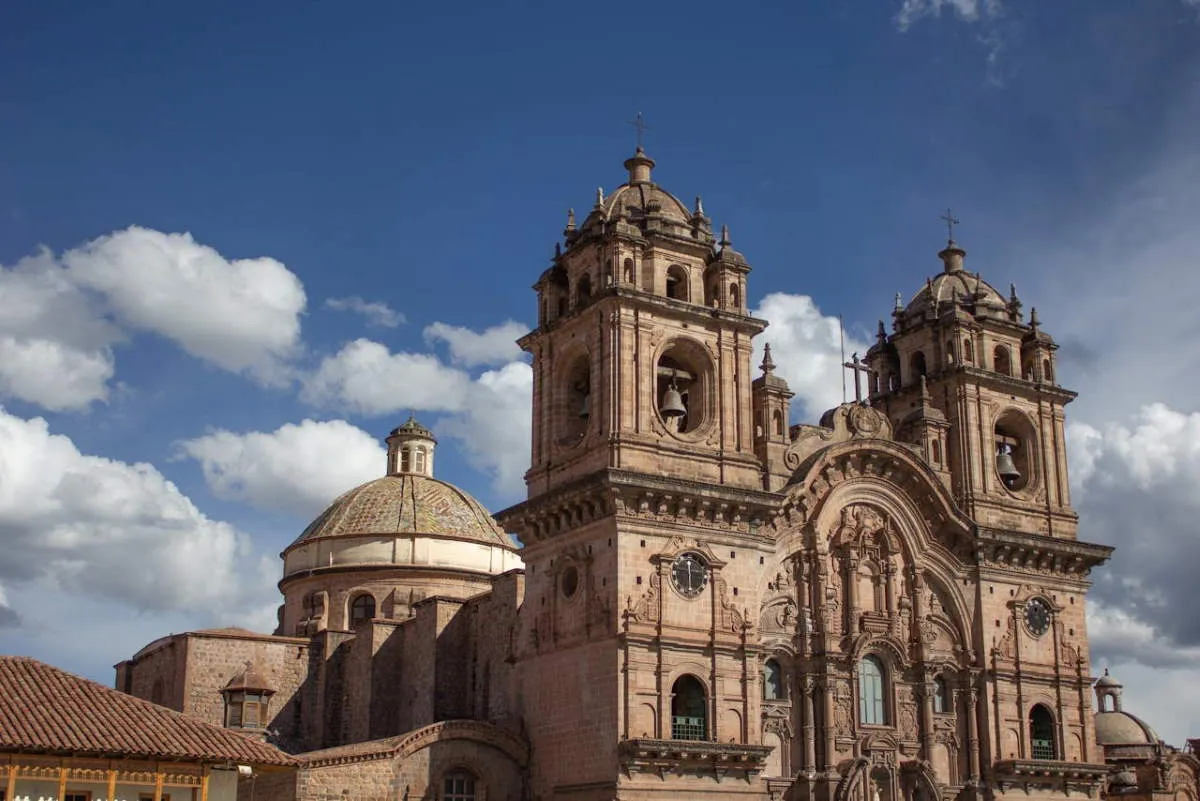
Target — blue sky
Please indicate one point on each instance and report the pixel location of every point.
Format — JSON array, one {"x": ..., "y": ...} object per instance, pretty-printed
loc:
[{"x": 421, "y": 157}]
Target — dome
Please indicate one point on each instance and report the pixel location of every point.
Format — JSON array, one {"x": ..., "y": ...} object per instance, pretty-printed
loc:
[
  {"x": 645, "y": 205},
  {"x": 1122, "y": 728},
  {"x": 960, "y": 286},
  {"x": 406, "y": 503}
]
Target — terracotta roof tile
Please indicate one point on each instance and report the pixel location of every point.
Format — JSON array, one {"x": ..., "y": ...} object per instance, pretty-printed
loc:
[{"x": 47, "y": 710}]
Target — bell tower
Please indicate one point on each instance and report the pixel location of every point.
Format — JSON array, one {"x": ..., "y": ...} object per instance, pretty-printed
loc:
[
  {"x": 961, "y": 352},
  {"x": 641, "y": 357},
  {"x": 645, "y": 499}
]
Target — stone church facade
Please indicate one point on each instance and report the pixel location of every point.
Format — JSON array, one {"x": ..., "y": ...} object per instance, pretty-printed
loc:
[{"x": 708, "y": 600}]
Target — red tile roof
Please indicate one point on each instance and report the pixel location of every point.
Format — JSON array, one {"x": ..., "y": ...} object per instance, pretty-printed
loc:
[{"x": 47, "y": 710}]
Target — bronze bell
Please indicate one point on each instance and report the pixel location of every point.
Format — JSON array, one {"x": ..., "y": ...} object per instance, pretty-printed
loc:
[
  {"x": 672, "y": 403},
  {"x": 586, "y": 408},
  {"x": 1005, "y": 466}
]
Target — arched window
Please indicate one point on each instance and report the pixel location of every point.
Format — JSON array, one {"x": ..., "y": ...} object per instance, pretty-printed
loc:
[
  {"x": 772, "y": 681},
  {"x": 871, "y": 707},
  {"x": 916, "y": 365},
  {"x": 583, "y": 292},
  {"x": 362, "y": 608},
  {"x": 941, "y": 696},
  {"x": 968, "y": 351},
  {"x": 777, "y": 422},
  {"x": 458, "y": 786},
  {"x": 405, "y": 460},
  {"x": 1047, "y": 372},
  {"x": 735, "y": 297},
  {"x": 1001, "y": 361},
  {"x": 628, "y": 270},
  {"x": 949, "y": 351},
  {"x": 1041, "y": 733},
  {"x": 689, "y": 715},
  {"x": 419, "y": 467},
  {"x": 677, "y": 282},
  {"x": 936, "y": 449}
]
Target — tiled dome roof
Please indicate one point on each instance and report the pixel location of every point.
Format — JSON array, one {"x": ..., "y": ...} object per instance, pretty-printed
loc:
[
  {"x": 407, "y": 503},
  {"x": 1122, "y": 728},
  {"x": 948, "y": 286}
]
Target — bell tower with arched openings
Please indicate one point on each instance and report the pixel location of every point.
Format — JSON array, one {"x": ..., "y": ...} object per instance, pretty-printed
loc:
[
  {"x": 645, "y": 496},
  {"x": 961, "y": 352}
]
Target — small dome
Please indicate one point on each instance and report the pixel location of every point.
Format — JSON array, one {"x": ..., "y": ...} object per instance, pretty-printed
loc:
[
  {"x": 407, "y": 503},
  {"x": 645, "y": 205},
  {"x": 960, "y": 285},
  {"x": 1107, "y": 681},
  {"x": 412, "y": 428},
  {"x": 1122, "y": 728}
]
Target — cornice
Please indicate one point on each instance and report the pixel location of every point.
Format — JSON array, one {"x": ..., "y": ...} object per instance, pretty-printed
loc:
[{"x": 1014, "y": 549}]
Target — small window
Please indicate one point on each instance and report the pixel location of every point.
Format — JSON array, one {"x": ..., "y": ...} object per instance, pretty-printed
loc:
[
  {"x": 458, "y": 786},
  {"x": 968, "y": 354},
  {"x": 936, "y": 449},
  {"x": 583, "y": 291},
  {"x": 420, "y": 460},
  {"x": 772, "y": 681},
  {"x": 917, "y": 365},
  {"x": 405, "y": 460},
  {"x": 777, "y": 422},
  {"x": 1041, "y": 733},
  {"x": 871, "y": 707},
  {"x": 246, "y": 710},
  {"x": 735, "y": 297},
  {"x": 1047, "y": 372},
  {"x": 362, "y": 608},
  {"x": 941, "y": 696}
]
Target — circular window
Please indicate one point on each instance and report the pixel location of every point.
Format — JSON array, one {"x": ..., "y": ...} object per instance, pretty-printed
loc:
[
  {"x": 569, "y": 581},
  {"x": 689, "y": 574},
  {"x": 1037, "y": 616},
  {"x": 682, "y": 387}
]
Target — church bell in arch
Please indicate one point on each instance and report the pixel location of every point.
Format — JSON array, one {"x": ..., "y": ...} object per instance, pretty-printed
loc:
[
  {"x": 672, "y": 402},
  {"x": 1006, "y": 467}
]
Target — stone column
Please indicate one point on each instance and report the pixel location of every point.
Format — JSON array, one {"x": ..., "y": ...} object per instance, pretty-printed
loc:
[
  {"x": 927, "y": 689},
  {"x": 808, "y": 724},
  {"x": 850, "y": 576},
  {"x": 972, "y": 699},
  {"x": 827, "y": 691}
]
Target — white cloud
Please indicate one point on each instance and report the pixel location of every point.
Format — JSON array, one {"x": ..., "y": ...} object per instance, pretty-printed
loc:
[
  {"x": 495, "y": 429},
  {"x": 297, "y": 469},
  {"x": 376, "y": 312},
  {"x": 967, "y": 10},
  {"x": 489, "y": 415},
  {"x": 8, "y": 616},
  {"x": 55, "y": 348},
  {"x": 108, "y": 530},
  {"x": 241, "y": 315},
  {"x": 807, "y": 350},
  {"x": 493, "y": 346},
  {"x": 365, "y": 377},
  {"x": 1137, "y": 486}
]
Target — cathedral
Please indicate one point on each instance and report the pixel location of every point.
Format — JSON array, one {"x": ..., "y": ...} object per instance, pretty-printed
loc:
[{"x": 706, "y": 601}]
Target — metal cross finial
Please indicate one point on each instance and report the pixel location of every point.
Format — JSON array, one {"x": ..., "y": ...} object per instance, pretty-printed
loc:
[
  {"x": 951, "y": 221},
  {"x": 639, "y": 123}
]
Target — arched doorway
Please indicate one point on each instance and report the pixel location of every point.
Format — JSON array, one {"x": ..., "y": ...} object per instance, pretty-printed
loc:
[{"x": 689, "y": 709}]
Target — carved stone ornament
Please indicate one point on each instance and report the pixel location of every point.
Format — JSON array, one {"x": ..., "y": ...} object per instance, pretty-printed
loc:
[{"x": 846, "y": 422}]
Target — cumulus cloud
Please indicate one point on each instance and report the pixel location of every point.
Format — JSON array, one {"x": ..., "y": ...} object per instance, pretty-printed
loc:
[
  {"x": 488, "y": 414},
  {"x": 493, "y": 346},
  {"x": 55, "y": 347},
  {"x": 62, "y": 316},
  {"x": 105, "y": 529},
  {"x": 365, "y": 377},
  {"x": 806, "y": 347},
  {"x": 242, "y": 315},
  {"x": 297, "y": 468},
  {"x": 376, "y": 312},
  {"x": 1137, "y": 486}
]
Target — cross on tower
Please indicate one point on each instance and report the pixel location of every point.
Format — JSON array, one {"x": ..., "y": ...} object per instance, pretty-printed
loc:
[
  {"x": 859, "y": 368},
  {"x": 639, "y": 123},
  {"x": 951, "y": 221}
]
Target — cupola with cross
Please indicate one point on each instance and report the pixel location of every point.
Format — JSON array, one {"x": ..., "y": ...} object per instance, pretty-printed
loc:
[
  {"x": 641, "y": 355},
  {"x": 967, "y": 379}
]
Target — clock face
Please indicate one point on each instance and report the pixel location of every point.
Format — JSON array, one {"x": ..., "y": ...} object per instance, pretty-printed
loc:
[
  {"x": 1037, "y": 617},
  {"x": 689, "y": 574}
]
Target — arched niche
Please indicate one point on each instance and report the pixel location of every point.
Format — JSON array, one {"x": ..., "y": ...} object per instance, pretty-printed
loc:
[{"x": 684, "y": 366}]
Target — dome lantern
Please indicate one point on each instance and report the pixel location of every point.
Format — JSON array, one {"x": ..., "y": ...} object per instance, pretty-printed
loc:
[{"x": 410, "y": 449}]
